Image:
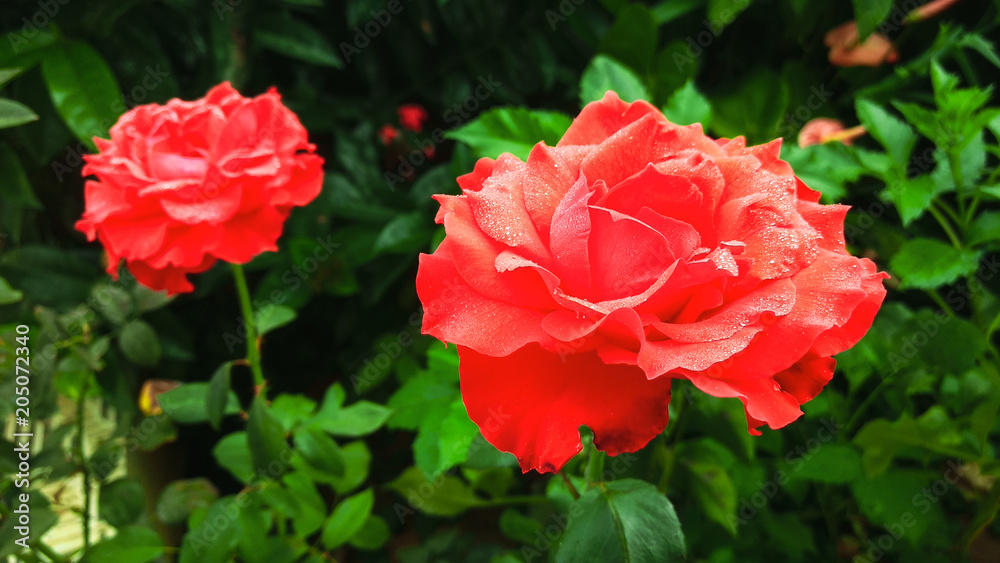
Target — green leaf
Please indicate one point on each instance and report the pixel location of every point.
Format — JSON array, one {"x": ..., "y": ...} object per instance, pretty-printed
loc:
[
  {"x": 519, "y": 527},
  {"x": 209, "y": 541},
  {"x": 187, "y": 404},
  {"x": 444, "y": 496},
  {"x": 147, "y": 299},
  {"x": 985, "y": 229},
  {"x": 904, "y": 500},
  {"x": 605, "y": 74},
  {"x": 217, "y": 396},
  {"x": 913, "y": 196},
  {"x": 708, "y": 468},
  {"x": 133, "y": 544},
  {"x": 140, "y": 344},
  {"x": 181, "y": 498},
  {"x": 881, "y": 440},
  {"x": 979, "y": 44},
  {"x": 298, "y": 40},
  {"x": 444, "y": 439},
  {"x": 8, "y": 74},
  {"x": 752, "y": 108},
  {"x": 273, "y": 317},
  {"x": 8, "y": 294},
  {"x": 15, "y": 189},
  {"x": 233, "y": 453},
  {"x": 626, "y": 521},
  {"x": 676, "y": 64},
  {"x": 870, "y": 13},
  {"x": 667, "y": 11},
  {"x": 952, "y": 344},
  {"x": 320, "y": 451},
  {"x": 721, "y": 13},
  {"x": 926, "y": 121},
  {"x": 406, "y": 233},
  {"x": 83, "y": 89},
  {"x": 266, "y": 439},
  {"x": 421, "y": 395},
  {"x": 348, "y": 518},
  {"x": 830, "y": 463},
  {"x": 112, "y": 302},
  {"x": 309, "y": 510},
  {"x": 923, "y": 263},
  {"x": 511, "y": 129},
  {"x": 160, "y": 431},
  {"x": 358, "y": 460},
  {"x": 374, "y": 534},
  {"x": 121, "y": 502},
  {"x": 687, "y": 105},
  {"x": 359, "y": 419},
  {"x": 14, "y": 113},
  {"x": 292, "y": 410},
  {"x": 632, "y": 38},
  {"x": 827, "y": 168},
  {"x": 895, "y": 135}
]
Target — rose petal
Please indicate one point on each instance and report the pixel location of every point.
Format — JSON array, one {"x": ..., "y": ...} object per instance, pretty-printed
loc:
[
  {"x": 455, "y": 312},
  {"x": 623, "y": 409}
]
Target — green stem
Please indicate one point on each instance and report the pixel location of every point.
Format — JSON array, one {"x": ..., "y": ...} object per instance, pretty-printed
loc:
[
  {"x": 986, "y": 513},
  {"x": 47, "y": 551},
  {"x": 955, "y": 160},
  {"x": 993, "y": 327},
  {"x": 523, "y": 499},
  {"x": 594, "y": 472},
  {"x": 569, "y": 485},
  {"x": 940, "y": 302},
  {"x": 253, "y": 352},
  {"x": 860, "y": 411},
  {"x": 971, "y": 213},
  {"x": 944, "y": 225},
  {"x": 84, "y": 467}
]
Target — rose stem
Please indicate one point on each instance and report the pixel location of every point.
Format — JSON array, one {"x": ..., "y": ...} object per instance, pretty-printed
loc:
[
  {"x": 570, "y": 486},
  {"x": 594, "y": 472},
  {"x": 253, "y": 352}
]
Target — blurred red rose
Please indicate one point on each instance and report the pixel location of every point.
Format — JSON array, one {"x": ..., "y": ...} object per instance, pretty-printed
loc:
[
  {"x": 579, "y": 284},
  {"x": 412, "y": 116},
  {"x": 183, "y": 185},
  {"x": 387, "y": 134},
  {"x": 846, "y": 49}
]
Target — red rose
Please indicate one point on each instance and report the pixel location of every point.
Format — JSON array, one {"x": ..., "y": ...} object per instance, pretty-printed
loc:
[
  {"x": 412, "y": 116},
  {"x": 183, "y": 185},
  {"x": 578, "y": 284},
  {"x": 387, "y": 134}
]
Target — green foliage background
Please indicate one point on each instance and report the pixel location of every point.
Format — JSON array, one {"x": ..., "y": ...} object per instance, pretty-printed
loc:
[{"x": 365, "y": 452}]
